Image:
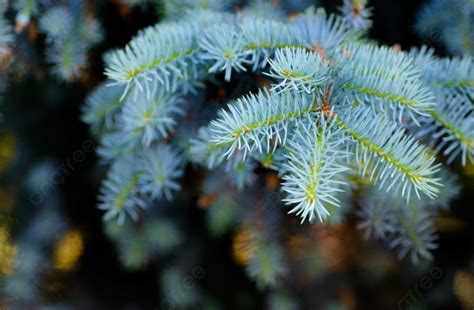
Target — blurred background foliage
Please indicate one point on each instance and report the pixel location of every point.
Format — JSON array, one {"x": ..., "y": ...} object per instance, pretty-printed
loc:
[{"x": 55, "y": 251}]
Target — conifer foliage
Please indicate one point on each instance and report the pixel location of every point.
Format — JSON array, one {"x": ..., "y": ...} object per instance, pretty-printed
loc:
[
  {"x": 334, "y": 115},
  {"x": 283, "y": 127}
]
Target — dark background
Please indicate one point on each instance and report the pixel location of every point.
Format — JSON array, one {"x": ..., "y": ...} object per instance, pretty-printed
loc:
[{"x": 45, "y": 118}]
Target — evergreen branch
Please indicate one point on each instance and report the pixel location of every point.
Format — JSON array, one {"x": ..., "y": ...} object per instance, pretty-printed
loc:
[
  {"x": 423, "y": 57},
  {"x": 322, "y": 32},
  {"x": 266, "y": 264},
  {"x": 375, "y": 215},
  {"x": 448, "y": 192},
  {"x": 224, "y": 46},
  {"x": 56, "y": 23},
  {"x": 451, "y": 125},
  {"x": 171, "y": 52},
  {"x": 298, "y": 70},
  {"x": 165, "y": 53},
  {"x": 457, "y": 72},
  {"x": 356, "y": 15},
  {"x": 414, "y": 233},
  {"x": 163, "y": 166},
  {"x": 100, "y": 107},
  {"x": 262, "y": 40},
  {"x": 119, "y": 192},
  {"x": 68, "y": 56},
  {"x": 408, "y": 227},
  {"x": 391, "y": 156},
  {"x": 151, "y": 118},
  {"x": 254, "y": 121},
  {"x": 335, "y": 106},
  {"x": 311, "y": 181},
  {"x": 206, "y": 152},
  {"x": 385, "y": 80},
  {"x": 240, "y": 172},
  {"x": 115, "y": 144},
  {"x": 69, "y": 36}
]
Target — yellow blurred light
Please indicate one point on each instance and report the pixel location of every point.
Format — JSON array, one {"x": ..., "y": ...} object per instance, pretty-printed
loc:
[
  {"x": 244, "y": 244},
  {"x": 68, "y": 250},
  {"x": 7, "y": 149},
  {"x": 8, "y": 252},
  {"x": 464, "y": 288}
]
